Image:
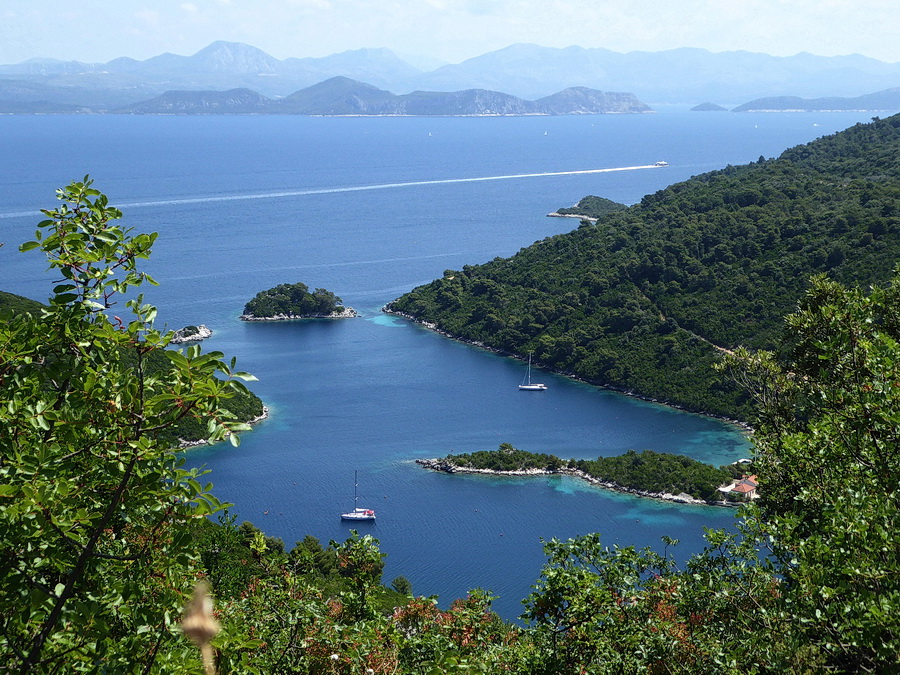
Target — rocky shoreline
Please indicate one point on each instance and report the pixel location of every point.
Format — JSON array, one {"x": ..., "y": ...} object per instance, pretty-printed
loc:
[
  {"x": 183, "y": 444},
  {"x": 557, "y": 214},
  {"x": 345, "y": 313},
  {"x": 627, "y": 392},
  {"x": 683, "y": 498}
]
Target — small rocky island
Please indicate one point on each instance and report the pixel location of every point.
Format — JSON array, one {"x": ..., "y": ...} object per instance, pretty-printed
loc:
[
  {"x": 589, "y": 208},
  {"x": 644, "y": 474},
  {"x": 286, "y": 302},
  {"x": 190, "y": 334}
]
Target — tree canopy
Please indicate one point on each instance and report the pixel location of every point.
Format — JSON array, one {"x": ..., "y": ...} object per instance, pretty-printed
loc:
[
  {"x": 592, "y": 207},
  {"x": 292, "y": 301}
]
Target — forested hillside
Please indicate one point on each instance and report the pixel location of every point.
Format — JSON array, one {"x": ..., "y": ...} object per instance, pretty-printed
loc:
[
  {"x": 16, "y": 303},
  {"x": 646, "y": 299}
]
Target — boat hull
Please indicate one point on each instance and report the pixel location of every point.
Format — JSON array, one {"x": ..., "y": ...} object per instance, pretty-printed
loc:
[{"x": 359, "y": 514}]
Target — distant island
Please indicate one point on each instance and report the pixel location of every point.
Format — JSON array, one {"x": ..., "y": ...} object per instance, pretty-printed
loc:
[
  {"x": 589, "y": 208},
  {"x": 230, "y": 73},
  {"x": 286, "y": 302},
  {"x": 344, "y": 96},
  {"x": 709, "y": 107},
  {"x": 646, "y": 474},
  {"x": 887, "y": 100}
]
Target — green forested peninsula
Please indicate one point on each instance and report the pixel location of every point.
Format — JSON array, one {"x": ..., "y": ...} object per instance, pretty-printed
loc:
[
  {"x": 659, "y": 473},
  {"x": 292, "y": 301},
  {"x": 648, "y": 299},
  {"x": 17, "y": 303}
]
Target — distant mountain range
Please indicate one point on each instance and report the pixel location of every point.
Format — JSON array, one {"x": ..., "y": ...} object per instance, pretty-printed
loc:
[
  {"x": 528, "y": 72},
  {"x": 343, "y": 96},
  {"x": 881, "y": 101}
]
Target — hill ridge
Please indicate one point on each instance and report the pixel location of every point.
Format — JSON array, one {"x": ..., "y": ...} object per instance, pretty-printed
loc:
[{"x": 528, "y": 71}]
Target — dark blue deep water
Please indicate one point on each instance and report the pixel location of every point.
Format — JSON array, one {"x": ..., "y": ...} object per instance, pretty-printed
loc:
[{"x": 244, "y": 203}]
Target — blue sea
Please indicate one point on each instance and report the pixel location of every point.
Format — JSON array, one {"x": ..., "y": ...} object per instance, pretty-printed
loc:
[{"x": 370, "y": 208}]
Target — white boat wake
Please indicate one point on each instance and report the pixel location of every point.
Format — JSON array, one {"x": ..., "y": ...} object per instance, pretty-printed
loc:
[{"x": 354, "y": 188}]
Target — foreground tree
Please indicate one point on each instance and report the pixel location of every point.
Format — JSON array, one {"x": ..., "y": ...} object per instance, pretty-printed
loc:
[
  {"x": 96, "y": 559},
  {"x": 829, "y": 458}
]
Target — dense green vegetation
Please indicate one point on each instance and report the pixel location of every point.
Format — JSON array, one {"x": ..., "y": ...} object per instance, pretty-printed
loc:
[
  {"x": 94, "y": 505},
  {"x": 293, "y": 300},
  {"x": 505, "y": 458},
  {"x": 17, "y": 304},
  {"x": 243, "y": 405},
  {"x": 592, "y": 207},
  {"x": 648, "y": 471},
  {"x": 659, "y": 472},
  {"x": 324, "y": 609},
  {"x": 643, "y": 300},
  {"x": 235, "y": 557}
]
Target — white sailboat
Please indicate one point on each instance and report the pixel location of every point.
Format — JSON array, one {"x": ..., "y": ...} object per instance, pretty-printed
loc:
[
  {"x": 357, "y": 513},
  {"x": 527, "y": 384}
]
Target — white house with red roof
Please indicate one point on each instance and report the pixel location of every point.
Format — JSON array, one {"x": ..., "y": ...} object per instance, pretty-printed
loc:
[{"x": 746, "y": 486}]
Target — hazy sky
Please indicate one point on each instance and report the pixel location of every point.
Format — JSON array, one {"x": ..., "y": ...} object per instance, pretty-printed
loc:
[{"x": 450, "y": 30}]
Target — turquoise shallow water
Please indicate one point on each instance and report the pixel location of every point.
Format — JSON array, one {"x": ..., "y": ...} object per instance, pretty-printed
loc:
[{"x": 245, "y": 203}]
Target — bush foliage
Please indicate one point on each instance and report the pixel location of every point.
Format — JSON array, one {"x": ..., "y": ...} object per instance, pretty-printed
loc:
[{"x": 244, "y": 404}]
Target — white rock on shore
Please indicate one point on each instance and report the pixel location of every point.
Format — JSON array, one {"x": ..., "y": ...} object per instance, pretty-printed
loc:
[{"x": 191, "y": 334}]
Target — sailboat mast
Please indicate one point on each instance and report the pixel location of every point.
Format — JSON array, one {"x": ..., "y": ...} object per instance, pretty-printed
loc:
[{"x": 527, "y": 384}]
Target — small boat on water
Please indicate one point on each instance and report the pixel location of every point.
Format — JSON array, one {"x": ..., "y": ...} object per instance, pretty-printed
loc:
[
  {"x": 527, "y": 384},
  {"x": 661, "y": 163},
  {"x": 357, "y": 513}
]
